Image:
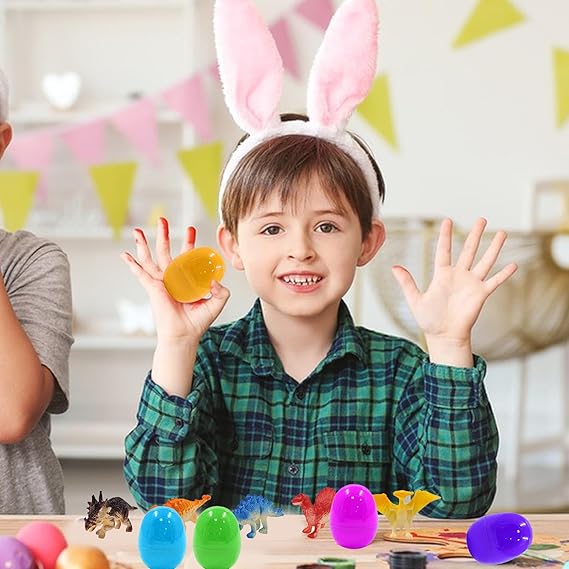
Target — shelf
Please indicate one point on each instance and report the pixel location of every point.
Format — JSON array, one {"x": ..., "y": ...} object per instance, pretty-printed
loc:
[
  {"x": 41, "y": 114},
  {"x": 53, "y": 5},
  {"x": 113, "y": 342},
  {"x": 88, "y": 440}
]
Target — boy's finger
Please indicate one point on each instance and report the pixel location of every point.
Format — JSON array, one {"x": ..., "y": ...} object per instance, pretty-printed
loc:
[
  {"x": 444, "y": 245},
  {"x": 138, "y": 271},
  {"x": 470, "y": 247},
  {"x": 163, "y": 256},
  {"x": 493, "y": 283},
  {"x": 189, "y": 241},
  {"x": 143, "y": 253},
  {"x": 484, "y": 266},
  {"x": 407, "y": 284}
]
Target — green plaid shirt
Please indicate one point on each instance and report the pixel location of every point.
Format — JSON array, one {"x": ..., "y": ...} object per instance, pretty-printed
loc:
[{"x": 375, "y": 411}]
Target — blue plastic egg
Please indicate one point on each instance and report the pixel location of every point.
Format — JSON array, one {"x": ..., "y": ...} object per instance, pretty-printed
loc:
[
  {"x": 162, "y": 538},
  {"x": 14, "y": 554},
  {"x": 499, "y": 538},
  {"x": 217, "y": 538},
  {"x": 353, "y": 517}
]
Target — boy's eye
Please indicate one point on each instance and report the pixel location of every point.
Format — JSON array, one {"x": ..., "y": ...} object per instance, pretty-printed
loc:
[
  {"x": 271, "y": 230},
  {"x": 327, "y": 227}
]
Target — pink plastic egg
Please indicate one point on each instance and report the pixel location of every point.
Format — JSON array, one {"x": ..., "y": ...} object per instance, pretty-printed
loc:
[
  {"x": 15, "y": 554},
  {"x": 353, "y": 517},
  {"x": 44, "y": 540}
]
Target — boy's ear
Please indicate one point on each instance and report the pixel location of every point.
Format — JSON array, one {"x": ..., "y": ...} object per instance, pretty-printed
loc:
[
  {"x": 5, "y": 136},
  {"x": 372, "y": 242},
  {"x": 230, "y": 247}
]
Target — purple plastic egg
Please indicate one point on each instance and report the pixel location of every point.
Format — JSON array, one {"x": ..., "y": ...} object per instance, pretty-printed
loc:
[
  {"x": 499, "y": 538},
  {"x": 353, "y": 517},
  {"x": 14, "y": 554}
]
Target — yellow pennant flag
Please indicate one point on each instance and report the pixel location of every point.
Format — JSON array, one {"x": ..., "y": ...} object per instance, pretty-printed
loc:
[
  {"x": 376, "y": 109},
  {"x": 488, "y": 17},
  {"x": 561, "y": 70},
  {"x": 113, "y": 183},
  {"x": 17, "y": 191},
  {"x": 203, "y": 165}
]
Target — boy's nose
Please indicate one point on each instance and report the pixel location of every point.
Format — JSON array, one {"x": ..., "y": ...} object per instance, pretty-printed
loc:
[{"x": 301, "y": 248}]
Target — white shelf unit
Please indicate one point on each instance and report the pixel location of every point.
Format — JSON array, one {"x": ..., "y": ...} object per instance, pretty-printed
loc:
[{"x": 119, "y": 48}]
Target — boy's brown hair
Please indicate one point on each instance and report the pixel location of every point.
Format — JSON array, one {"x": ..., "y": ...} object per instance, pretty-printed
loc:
[{"x": 287, "y": 162}]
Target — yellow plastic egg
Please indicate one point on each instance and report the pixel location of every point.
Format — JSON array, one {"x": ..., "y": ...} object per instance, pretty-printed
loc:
[
  {"x": 82, "y": 557},
  {"x": 188, "y": 277}
]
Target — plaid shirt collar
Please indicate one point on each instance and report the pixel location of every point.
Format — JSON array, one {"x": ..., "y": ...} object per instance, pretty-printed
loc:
[{"x": 248, "y": 339}]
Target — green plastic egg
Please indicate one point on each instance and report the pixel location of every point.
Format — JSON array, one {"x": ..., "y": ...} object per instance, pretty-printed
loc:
[{"x": 217, "y": 538}]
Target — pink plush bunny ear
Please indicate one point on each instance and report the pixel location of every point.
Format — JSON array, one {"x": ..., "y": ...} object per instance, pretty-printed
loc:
[
  {"x": 250, "y": 66},
  {"x": 344, "y": 67}
]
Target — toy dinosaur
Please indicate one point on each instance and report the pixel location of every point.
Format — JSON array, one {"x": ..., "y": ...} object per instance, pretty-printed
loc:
[
  {"x": 109, "y": 514},
  {"x": 188, "y": 509},
  {"x": 253, "y": 511},
  {"x": 316, "y": 514},
  {"x": 400, "y": 516}
]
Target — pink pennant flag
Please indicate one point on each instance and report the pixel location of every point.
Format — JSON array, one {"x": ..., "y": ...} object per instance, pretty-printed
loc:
[
  {"x": 86, "y": 141},
  {"x": 213, "y": 70},
  {"x": 33, "y": 151},
  {"x": 283, "y": 39},
  {"x": 189, "y": 100},
  {"x": 318, "y": 12},
  {"x": 138, "y": 124}
]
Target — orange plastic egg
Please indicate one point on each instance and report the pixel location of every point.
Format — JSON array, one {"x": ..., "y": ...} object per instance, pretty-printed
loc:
[
  {"x": 188, "y": 277},
  {"x": 82, "y": 557}
]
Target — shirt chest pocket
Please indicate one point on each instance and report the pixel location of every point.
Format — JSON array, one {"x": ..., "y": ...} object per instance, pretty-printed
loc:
[{"x": 361, "y": 457}]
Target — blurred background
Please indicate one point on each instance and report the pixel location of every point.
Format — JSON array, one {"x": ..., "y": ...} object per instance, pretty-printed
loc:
[{"x": 119, "y": 118}]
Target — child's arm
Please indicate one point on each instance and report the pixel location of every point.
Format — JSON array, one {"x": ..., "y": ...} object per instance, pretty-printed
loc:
[
  {"x": 179, "y": 326},
  {"x": 449, "y": 308},
  {"x": 446, "y": 438},
  {"x": 171, "y": 453}
]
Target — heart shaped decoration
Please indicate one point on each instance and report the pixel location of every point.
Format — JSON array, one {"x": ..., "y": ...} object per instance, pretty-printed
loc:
[{"x": 61, "y": 90}]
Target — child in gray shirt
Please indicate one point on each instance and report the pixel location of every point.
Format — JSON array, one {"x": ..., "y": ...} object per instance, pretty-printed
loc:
[{"x": 35, "y": 339}]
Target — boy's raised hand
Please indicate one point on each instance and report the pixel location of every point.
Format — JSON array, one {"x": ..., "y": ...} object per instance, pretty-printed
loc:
[
  {"x": 174, "y": 320},
  {"x": 448, "y": 309}
]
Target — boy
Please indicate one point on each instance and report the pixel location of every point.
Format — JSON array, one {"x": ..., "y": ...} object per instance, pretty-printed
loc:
[
  {"x": 293, "y": 397},
  {"x": 35, "y": 339}
]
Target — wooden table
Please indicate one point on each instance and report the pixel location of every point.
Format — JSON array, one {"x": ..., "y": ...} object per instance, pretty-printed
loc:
[{"x": 284, "y": 547}]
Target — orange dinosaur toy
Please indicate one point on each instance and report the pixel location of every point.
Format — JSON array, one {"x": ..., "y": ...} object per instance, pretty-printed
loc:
[
  {"x": 187, "y": 508},
  {"x": 316, "y": 514}
]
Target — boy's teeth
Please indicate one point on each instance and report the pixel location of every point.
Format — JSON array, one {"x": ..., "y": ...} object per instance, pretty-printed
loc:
[{"x": 305, "y": 281}]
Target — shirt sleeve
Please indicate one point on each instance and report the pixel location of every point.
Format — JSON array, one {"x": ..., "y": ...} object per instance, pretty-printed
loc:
[
  {"x": 40, "y": 295},
  {"x": 446, "y": 438},
  {"x": 171, "y": 451}
]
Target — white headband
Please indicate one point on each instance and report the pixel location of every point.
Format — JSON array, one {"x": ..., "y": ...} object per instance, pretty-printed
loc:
[
  {"x": 251, "y": 72},
  {"x": 3, "y": 97}
]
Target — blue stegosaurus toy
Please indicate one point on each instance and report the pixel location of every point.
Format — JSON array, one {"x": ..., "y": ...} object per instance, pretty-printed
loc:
[{"x": 253, "y": 511}]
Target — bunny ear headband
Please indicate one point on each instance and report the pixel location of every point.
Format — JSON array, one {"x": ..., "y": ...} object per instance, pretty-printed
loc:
[
  {"x": 3, "y": 97},
  {"x": 251, "y": 71}
]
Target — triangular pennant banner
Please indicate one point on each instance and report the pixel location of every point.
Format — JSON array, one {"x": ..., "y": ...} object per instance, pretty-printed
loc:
[
  {"x": 17, "y": 191},
  {"x": 318, "y": 12},
  {"x": 113, "y": 183},
  {"x": 488, "y": 17},
  {"x": 376, "y": 110},
  {"x": 138, "y": 124},
  {"x": 561, "y": 70},
  {"x": 189, "y": 100},
  {"x": 86, "y": 141},
  {"x": 281, "y": 32},
  {"x": 203, "y": 165},
  {"x": 33, "y": 151}
]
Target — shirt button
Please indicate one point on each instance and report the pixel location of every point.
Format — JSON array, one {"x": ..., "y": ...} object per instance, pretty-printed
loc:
[
  {"x": 366, "y": 449},
  {"x": 179, "y": 422},
  {"x": 293, "y": 469},
  {"x": 300, "y": 393}
]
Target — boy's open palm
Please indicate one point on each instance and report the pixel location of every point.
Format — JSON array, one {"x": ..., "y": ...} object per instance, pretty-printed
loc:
[
  {"x": 450, "y": 306},
  {"x": 174, "y": 320}
]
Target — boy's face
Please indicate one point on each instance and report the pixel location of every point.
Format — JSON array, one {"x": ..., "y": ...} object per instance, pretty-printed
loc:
[
  {"x": 5, "y": 136},
  {"x": 302, "y": 261}
]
